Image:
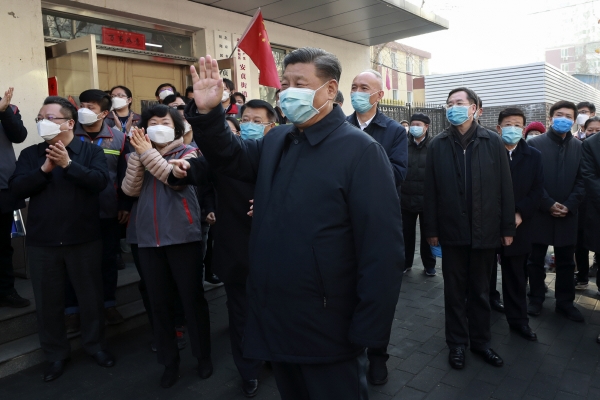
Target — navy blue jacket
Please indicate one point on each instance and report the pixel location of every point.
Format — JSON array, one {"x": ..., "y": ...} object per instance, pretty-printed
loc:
[
  {"x": 326, "y": 247},
  {"x": 590, "y": 171},
  {"x": 392, "y": 136},
  {"x": 528, "y": 188}
]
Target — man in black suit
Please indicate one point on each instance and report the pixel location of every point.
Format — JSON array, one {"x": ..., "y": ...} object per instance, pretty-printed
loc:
[
  {"x": 325, "y": 263},
  {"x": 528, "y": 186}
]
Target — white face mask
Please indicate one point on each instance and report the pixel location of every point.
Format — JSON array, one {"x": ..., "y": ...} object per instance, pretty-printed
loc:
[
  {"x": 164, "y": 94},
  {"x": 161, "y": 134},
  {"x": 48, "y": 130},
  {"x": 225, "y": 96},
  {"x": 581, "y": 118},
  {"x": 85, "y": 116},
  {"x": 118, "y": 103}
]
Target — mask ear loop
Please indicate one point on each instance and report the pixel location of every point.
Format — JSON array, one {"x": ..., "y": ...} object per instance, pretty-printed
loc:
[{"x": 324, "y": 104}]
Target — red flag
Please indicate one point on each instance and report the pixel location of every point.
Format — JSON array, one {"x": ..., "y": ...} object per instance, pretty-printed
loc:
[
  {"x": 255, "y": 42},
  {"x": 387, "y": 79}
]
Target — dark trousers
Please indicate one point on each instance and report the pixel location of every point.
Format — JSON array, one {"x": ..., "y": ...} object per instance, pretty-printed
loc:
[
  {"x": 466, "y": 274},
  {"x": 565, "y": 268},
  {"x": 582, "y": 257},
  {"x": 109, "y": 228},
  {"x": 142, "y": 283},
  {"x": 168, "y": 270},
  {"x": 514, "y": 289},
  {"x": 345, "y": 380},
  {"x": 409, "y": 227},
  {"x": 50, "y": 267},
  {"x": 237, "y": 307},
  {"x": 7, "y": 278},
  {"x": 208, "y": 250}
]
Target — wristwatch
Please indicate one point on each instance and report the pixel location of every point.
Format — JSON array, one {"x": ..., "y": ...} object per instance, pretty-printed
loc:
[{"x": 69, "y": 164}]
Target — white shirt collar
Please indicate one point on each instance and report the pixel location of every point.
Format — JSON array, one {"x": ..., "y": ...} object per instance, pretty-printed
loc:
[{"x": 363, "y": 125}]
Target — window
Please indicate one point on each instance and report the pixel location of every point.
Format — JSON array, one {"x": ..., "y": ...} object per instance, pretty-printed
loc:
[
  {"x": 579, "y": 50},
  {"x": 421, "y": 67},
  {"x": 564, "y": 67},
  {"x": 67, "y": 26},
  {"x": 409, "y": 97},
  {"x": 409, "y": 64},
  {"x": 564, "y": 53},
  {"x": 394, "y": 94},
  {"x": 394, "y": 61}
]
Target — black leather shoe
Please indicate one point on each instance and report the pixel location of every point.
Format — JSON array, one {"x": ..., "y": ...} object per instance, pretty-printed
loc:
[
  {"x": 104, "y": 359},
  {"x": 534, "y": 309},
  {"x": 205, "y": 367},
  {"x": 12, "y": 299},
  {"x": 570, "y": 312},
  {"x": 497, "y": 305},
  {"x": 170, "y": 376},
  {"x": 490, "y": 357},
  {"x": 456, "y": 358},
  {"x": 250, "y": 387},
  {"x": 378, "y": 373},
  {"x": 525, "y": 331},
  {"x": 54, "y": 370}
]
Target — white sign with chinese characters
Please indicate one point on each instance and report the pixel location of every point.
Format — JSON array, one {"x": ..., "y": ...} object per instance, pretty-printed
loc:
[
  {"x": 223, "y": 47},
  {"x": 243, "y": 82}
]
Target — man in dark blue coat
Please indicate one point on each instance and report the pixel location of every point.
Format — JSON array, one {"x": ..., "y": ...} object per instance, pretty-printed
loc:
[
  {"x": 325, "y": 265},
  {"x": 555, "y": 221},
  {"x": 528, "y": 186},
  {"x": 367, "y": 91}
]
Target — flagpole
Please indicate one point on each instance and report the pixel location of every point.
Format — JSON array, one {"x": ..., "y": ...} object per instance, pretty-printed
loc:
[{"x": 246, "y": 31}]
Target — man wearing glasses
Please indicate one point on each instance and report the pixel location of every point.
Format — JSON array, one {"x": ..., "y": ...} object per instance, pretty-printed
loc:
[
  {"x": 63, "y": 177},
  {"x": 469, "y": 210}
]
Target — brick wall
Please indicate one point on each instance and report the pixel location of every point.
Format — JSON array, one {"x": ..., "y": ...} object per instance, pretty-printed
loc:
[{"x": 533, "y": 112}]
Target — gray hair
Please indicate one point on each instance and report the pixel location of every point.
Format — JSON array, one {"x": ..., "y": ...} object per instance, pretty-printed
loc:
[
  {"x": 327, "y": 64},
  {"x": 377, "y": 75}
]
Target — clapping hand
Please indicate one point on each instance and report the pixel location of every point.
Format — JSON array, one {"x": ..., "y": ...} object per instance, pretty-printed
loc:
[
  {"x": 57, "y": 153},
  {"x": 5, "y": 102},
  {"x": 140, "y": 141},
  {"x": 207, "y": 84}
]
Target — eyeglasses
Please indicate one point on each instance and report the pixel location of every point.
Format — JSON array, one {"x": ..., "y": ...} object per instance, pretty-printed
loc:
[{"x": 49, "y": 118}]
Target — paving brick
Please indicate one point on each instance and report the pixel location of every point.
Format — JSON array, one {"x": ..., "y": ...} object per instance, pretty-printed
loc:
[
  {"x": 543, "y": 386},
  {"x": 415, "y": 362},
  {"x": 443, "y": 392},
  {"x": 575, "y": 382},
  {"x": 396, "y": 380},
  {"x": 408, "y": 393},
  {"x": 477, "y": 390},
  {"x": 427, "y": 379},
  {"x": 510, "y": 388}
]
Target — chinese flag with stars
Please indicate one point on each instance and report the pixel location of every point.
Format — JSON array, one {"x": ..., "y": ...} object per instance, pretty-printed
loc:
[{"x": 255, "y": 43}]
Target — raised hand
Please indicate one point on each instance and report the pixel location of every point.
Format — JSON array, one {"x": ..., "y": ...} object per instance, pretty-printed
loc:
[
  {"x": 140, "y": 141},
  {"x": 58, "y": 154},
  {"x": 4, "y": 103},
  {"x": 207, "y": 84}
]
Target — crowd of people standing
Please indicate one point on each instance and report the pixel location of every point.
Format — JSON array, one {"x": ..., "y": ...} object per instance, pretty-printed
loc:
[{"x": 277, "y": 203}]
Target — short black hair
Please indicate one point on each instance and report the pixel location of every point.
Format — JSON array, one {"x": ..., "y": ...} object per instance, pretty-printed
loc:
[
  {"x": 188, "y": 90},
  {"x": 326, "y": 64},
  {"x": 590, "y": 120},
  {"x": 234, "y": 121},
  {"x": 339, "y": 97},
  {"x": 229, "y": 84},
  {"x": 512, "y": 111},
  {"x": 239, "y": 94},
  {"x": 172, "y": 97},
  {"x": 66, "y": 107},
  {"x": 161, "y": 110},
  {"x": 471, "y": 95},
  {"x": 261, "y": 104},
  {"x": 125, "y": 89},
  {"x": 162, "y": 85},
  {"x": 588, "y": 105},
  {"x": 563, "y": 104},
  {"x": 97, "y": 96},
  {"x": 479, "y": 102}
]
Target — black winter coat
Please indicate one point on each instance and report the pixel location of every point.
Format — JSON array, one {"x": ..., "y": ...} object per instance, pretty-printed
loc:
[
  {"x": 590, "y": 172},
  {"x": 326, "y": 246},
  {"x": 528, "y": 188},
  {"x": 563, "y": 184},
  {"x": 446, "y": 212},
  {"x": 413, "y": 187}
]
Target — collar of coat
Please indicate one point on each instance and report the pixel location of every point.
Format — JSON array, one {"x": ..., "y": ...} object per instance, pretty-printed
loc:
[
  {"x": 423, "y": 143},
  {"x": 480, "y": 133},
  {"x": 378, "y": 119},
  {"x": 316, "y": 133},
  {"x": 75, "y": 146},
  {"x": 557, "y": 138},
  {"x": 105, "y": 132}
]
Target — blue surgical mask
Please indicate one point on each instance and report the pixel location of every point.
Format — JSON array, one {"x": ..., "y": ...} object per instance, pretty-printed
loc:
[
  {"x": 512, "y": 134},
  {"x": 297, "y": 104},
  {"x": 436, "y": 251},
  {"x": 561, "y": 124},
  {"x": 416, "y": 131},
  {"x": 361, "y": 101},
  {"x": 457, "y": 115},
  {"x": 250, "y": 130}
]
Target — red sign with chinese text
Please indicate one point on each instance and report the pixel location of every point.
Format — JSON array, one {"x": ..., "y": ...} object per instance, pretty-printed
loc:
[
  {"x": 119, "y": 38},
  {"x": 53, "y": 86}
]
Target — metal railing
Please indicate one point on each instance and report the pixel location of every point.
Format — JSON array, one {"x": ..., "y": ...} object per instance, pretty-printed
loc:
[{"x": 436, "y": 112}]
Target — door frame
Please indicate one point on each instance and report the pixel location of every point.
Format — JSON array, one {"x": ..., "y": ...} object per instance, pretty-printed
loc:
[{"x": 84, "y": 43}]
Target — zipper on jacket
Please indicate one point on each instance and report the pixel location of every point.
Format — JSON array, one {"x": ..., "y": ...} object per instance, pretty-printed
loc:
[
  {"x": 320, "y": 279},
  {"x": 465, "y": 163},
  {"x": 155, "y": 218}
]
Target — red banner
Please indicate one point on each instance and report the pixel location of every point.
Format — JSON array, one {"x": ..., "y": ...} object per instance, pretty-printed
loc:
[
  {"x": 52, "y": 86},
  {"x": 119, "y": 38}
]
